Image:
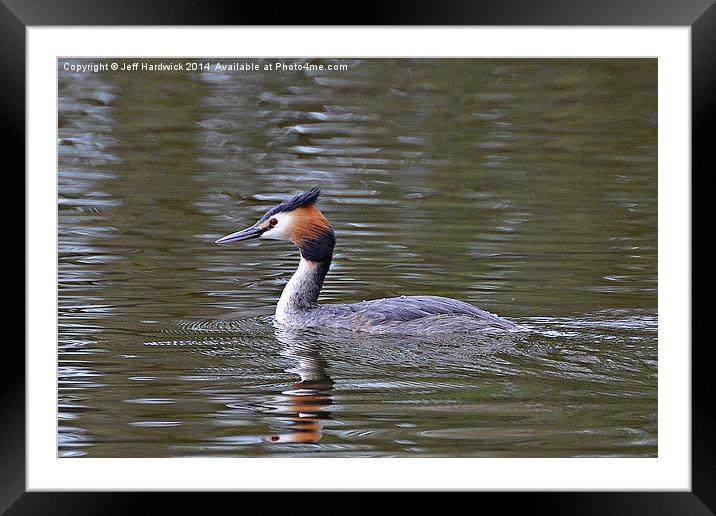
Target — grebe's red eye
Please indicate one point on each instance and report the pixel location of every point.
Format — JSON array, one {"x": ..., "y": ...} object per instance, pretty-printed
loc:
[{"x": 273, "y": 222}]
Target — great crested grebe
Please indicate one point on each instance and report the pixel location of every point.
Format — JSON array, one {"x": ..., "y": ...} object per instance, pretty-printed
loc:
[{"x": 301, "y": 222}]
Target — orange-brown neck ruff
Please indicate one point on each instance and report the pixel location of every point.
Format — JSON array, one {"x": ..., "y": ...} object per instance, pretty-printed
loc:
[
  {"x": 307, "y": 222},
  {"x": 312, "y": 233}
]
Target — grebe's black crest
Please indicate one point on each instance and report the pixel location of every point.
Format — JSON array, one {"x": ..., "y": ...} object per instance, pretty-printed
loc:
[{"x": 300, "y": 200}]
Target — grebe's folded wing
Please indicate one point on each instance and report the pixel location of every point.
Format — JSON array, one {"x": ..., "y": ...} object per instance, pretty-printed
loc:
[{"x": 409, "y": 308}]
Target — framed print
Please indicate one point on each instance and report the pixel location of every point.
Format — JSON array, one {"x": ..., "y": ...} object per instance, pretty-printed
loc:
[{"x": 440, "y": 251}]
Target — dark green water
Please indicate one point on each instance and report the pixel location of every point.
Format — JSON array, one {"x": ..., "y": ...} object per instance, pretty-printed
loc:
[{"x": 526, "y": 187}]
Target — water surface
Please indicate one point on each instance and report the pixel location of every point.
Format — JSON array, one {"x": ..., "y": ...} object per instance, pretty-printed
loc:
[{"x": 526, "y": 187}]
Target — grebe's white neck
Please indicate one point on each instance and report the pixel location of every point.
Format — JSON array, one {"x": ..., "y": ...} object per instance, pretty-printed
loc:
[{"x": 301, "y": 291}]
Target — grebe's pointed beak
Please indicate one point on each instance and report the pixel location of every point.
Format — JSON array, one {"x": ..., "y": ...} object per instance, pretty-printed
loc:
[{"x": 245, "y": 234}]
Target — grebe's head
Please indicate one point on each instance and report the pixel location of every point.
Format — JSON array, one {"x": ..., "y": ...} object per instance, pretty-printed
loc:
[{"x": 297, "y": 220}]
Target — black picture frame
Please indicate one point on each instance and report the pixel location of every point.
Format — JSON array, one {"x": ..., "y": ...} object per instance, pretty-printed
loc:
[{"x": 17, "y": 15}]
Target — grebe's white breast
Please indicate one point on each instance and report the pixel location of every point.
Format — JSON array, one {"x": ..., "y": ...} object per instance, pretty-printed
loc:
[{"x": 295, "y": 297}]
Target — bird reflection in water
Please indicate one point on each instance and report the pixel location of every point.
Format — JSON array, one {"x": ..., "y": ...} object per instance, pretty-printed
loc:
[{"x": 307, "y": 402}]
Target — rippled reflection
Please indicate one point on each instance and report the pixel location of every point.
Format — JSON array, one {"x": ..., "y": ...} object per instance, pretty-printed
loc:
[{"x": 307, "y": 402}]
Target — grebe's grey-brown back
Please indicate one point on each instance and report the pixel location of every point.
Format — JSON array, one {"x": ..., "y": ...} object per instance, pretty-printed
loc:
[{"x": 301, "y": 222}]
